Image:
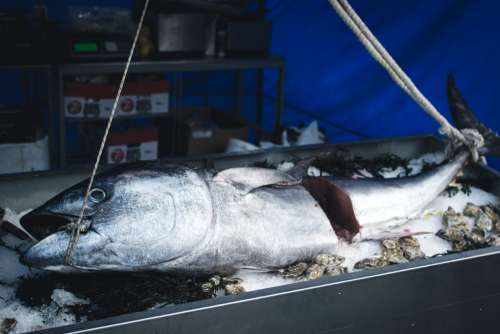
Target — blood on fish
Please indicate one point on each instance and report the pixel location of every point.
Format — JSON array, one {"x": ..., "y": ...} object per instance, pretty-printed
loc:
[{"x": 336, "y": 204}]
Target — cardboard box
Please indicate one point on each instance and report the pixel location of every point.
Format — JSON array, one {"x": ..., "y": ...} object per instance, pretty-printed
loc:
[
  {"x": 203, "y": 131},
  {"x": 132, "y": 145},
  {"x": 25, "y": 157},
  {"x": 87, "y": 100}
]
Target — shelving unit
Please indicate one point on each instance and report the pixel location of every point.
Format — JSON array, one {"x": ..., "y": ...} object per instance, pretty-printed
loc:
[{"x": 172, "y": 66}]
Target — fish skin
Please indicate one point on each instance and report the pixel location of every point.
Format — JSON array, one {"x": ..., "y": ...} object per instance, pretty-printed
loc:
[
  {"x": 382, "y": 205},
  {"x": 159, "y": 216}
]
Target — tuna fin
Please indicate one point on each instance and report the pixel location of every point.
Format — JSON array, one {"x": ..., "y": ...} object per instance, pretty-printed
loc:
[
  {"x": 299, "y": 171},
  {"x": 464, "y": 118},
  {"x": 247, "y": 179},
  {"x": 336, "y": 204}
]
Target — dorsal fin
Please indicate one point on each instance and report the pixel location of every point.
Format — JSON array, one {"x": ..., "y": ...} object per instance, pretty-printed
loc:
[{"x": 299, "y": 171}]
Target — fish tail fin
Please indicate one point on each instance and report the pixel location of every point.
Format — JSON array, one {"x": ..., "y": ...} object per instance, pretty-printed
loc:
[{"x": 464, "y": 118}]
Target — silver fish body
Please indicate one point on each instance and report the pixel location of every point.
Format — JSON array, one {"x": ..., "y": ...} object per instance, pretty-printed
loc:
[
  {"x": 180, "y": 219},
  {"x": 382, "y": 205},
  {"x": 156, "y": 216}
]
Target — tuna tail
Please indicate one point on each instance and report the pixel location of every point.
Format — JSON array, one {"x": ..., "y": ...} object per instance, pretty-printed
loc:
[{"x": 464, "y": 118}]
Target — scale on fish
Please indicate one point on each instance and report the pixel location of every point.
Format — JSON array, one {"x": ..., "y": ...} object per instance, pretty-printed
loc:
[{"x": 163, "y": 216}]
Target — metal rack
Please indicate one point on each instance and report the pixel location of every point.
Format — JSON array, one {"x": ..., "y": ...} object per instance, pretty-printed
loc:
[{"x": 173, "y": 66}]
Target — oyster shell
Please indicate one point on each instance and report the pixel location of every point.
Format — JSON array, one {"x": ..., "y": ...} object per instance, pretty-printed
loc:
[
  {"x": 483, "y": 222},
  {"x": 296, "y": 270},
  {"x": 329, "y": 260},
  {"x": 315, "y": 271},
  {"x": 411, "y": 248},
  {"x": 472, "y": 210},
  {"x": 377, "y": 262},
  {"x": 392, "y": 252},
  {"x": 233, "y": 289},
  {"x": 335, "y": 271}
]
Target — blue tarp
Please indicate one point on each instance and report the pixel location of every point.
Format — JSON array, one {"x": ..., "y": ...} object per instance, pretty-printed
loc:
[{"x": 330, "y": 74}]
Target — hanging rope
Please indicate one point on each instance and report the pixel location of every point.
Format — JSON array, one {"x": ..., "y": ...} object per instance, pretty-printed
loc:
[
  {"x": 471, "y": 138},
  {"x": 78, "y": 227}
]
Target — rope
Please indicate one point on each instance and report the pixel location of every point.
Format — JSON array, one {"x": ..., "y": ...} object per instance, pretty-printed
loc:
[
  {"x": 78, "y": 227},
  {"x": 380, "y": 54}
]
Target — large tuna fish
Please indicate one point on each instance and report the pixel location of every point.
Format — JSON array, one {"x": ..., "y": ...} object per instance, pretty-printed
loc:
[
  {"x": 160, "y": 216},
  {"x": 170, "y": 217}
]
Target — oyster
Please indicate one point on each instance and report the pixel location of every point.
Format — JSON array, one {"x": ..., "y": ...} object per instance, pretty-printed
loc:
[
  {"x": 329, "y": 260},
  {"x": 493, "y": 240},
  {"x": 483, "y": 222},
  {"x": 392, "y": 252},
  {"x": 335, "y": 271},
  {"x": 477, "y": 237},
  {"x": 315, "y": 271},
  {"x": 296, "y": 270},
  {"x": 377, "y": 262},
  {"x": 492, "y": 213},
  {"x": 234, "y": 289},
  {"x": 411, "y": 248},
  {"x": 472, "y": 210},
  {"x": 213, "y": 284},
  {"x": 455, "y": 227}
]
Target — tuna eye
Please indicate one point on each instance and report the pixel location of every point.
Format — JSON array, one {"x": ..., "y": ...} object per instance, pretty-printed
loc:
[{"x": 97, "y": 195}]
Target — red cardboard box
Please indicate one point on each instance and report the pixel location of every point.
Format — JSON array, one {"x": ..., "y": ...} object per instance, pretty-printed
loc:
[
  {"x": 88, "y": 100},
  {"x": 132, "y": 145}
]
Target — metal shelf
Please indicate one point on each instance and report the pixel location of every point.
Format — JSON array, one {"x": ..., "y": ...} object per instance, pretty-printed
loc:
[
  {"x": 116, "y": 118},
  {"x": 204, "y": 64},
  {"x": 174, "y": 66}
]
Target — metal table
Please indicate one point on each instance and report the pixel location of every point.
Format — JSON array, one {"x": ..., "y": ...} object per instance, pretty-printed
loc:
[{"x": 456, "y": 293}]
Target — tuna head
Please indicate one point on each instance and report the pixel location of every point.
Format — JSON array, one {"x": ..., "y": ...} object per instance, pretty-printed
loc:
[{"x": 138, "y": 218}]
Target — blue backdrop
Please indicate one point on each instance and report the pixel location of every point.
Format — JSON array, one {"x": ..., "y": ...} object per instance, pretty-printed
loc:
[{"x": 331, "y": 75}]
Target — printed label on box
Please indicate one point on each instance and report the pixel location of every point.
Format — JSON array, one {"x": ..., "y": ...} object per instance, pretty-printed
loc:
[
  {"x": 144, "y": 105},
  {"x": 199, "y": 134},
  {"x": 127, "y": 106},
  {"x": 117, "y": 154},
  {"x": 159, "y": 103},
  {"x": 73, "y": 106},
  {"x": 149, "y": 150},
  {"x": 105, "y": 107}
]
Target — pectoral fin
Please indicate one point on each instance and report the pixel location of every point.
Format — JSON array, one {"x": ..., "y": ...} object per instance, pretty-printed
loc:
[{"x": 247, "y": 179}]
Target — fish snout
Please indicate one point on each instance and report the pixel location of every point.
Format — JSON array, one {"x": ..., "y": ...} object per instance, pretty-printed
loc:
[
  {"x": 48, "y": 254},
  {"x": 42, "y": 223},
  {"x": 41, "y": 258}
]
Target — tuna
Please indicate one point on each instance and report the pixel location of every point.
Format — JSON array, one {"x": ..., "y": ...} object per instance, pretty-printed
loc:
[{"x": 161, "y": 216}]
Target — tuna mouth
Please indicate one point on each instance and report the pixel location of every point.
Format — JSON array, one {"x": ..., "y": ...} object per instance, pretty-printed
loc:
[{"x": 41, "y": 224}]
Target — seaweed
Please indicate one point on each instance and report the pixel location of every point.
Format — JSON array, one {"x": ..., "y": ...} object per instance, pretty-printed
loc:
[
  {"x": 112, "y": 294},
  {"x": 341, "y": 163}
]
